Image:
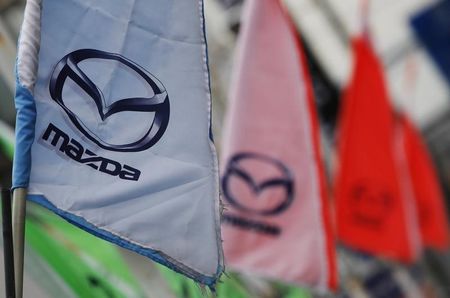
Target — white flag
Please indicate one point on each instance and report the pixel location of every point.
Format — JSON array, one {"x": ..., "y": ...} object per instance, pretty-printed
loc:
[{"x": 113, "y": 126}]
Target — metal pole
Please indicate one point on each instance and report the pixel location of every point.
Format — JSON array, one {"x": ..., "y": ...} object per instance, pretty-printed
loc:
[
  {"x": 18, "y": 222},
  {"x": 8, "y": 251}
]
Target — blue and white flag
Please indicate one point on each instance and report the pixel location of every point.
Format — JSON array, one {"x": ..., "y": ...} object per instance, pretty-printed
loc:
[{"x": 113, "y": 126}]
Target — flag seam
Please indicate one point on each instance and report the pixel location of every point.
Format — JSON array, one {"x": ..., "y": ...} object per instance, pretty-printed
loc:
[{"x": 215, "y": 165}]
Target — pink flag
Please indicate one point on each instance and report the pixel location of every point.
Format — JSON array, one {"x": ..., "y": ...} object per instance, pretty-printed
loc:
[{"x": 276, "y": 221}]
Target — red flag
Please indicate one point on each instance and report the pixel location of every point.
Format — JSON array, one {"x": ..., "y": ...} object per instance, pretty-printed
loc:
[
  {"x": 425, "y": 188},
  {"x": 373, "y": 214},
  {"x": 276, "y": 221}
]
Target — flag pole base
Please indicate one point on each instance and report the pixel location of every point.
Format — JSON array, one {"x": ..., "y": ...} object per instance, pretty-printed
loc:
[
  {"x": 8, "y": 251},
  {"x": 18, "y": 223}
]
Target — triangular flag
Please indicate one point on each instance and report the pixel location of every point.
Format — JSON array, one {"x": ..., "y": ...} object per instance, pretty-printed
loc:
[
  {"x": 276, "y": 220},
  {"x": 373, "y": 214},
  {"x": 113, "y": 126},
  {"x": 426, "y": 190}
]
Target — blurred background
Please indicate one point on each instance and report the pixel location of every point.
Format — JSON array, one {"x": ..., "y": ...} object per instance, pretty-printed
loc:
[{"x": 63, "y": 261}]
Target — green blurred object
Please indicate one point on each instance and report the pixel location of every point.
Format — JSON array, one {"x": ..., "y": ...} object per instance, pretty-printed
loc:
[
  {"x": 6, "y": 140},
  {"x": 290, "y": 291},
  {"x": 293, "y": 292},
  {"x": 228, "y": 287}
]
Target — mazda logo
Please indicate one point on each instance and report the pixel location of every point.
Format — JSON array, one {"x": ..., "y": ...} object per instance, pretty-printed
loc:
[
  {"x": 370, "y": 203},
  {"x": 158, "y": 104},
  {"x": 282, "y": 178}
]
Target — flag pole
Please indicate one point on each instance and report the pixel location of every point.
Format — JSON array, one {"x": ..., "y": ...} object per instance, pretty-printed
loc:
[
  {"x": 18, "y": 223},
  {"x": 8, "y": 252}
]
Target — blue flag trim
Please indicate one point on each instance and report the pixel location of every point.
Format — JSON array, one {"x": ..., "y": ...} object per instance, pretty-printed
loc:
[
  {"x": 25, "y": 123},
  {"x": 108, "y": 236}
]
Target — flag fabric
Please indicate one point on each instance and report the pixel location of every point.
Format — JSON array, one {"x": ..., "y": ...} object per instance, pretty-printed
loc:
[
  {"x": 426, "y": 191},
  {"x": 276, "y": 221},
  {"x": 373, "y": 212},
  {"x": 113, "y": 126}
]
